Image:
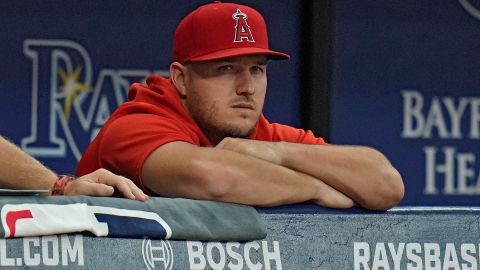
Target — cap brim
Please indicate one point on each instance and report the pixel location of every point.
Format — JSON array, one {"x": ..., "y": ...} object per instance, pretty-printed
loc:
[{"x": 232, "y": 52}]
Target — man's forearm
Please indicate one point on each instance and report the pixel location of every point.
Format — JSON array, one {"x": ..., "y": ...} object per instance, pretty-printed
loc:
[
  {"x": 179, "y": 169},
  {"x": 362, "y": 173},
  {"x": 19, "y": 170},
  {"x": 257, "y": 182}
]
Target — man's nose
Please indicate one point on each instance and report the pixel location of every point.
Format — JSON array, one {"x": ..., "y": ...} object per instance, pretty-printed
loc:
[{"x": 245, "y": 83}]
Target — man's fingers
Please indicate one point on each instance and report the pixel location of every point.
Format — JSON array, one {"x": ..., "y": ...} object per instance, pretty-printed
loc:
[
  {"x": 89, "y": 188},
  {"x": 226, "y": 143},
  {"x": 124, "y": 185},
  {"x": 333, "y": 198},
  {"x": 222, "y": 143},
  {"x": 119, "y": 183},
  {"x": 103, "y": 183},
  {"x": 139, "y": 194},
  {"x": 130, "y": 190}
]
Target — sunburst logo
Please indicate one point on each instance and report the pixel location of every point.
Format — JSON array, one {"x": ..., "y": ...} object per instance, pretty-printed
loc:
[
  {"x": 71, "y": 87},
  {"x": 69, "y": 102}
]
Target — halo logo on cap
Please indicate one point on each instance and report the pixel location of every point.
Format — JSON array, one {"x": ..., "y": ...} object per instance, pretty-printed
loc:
[{"x": 242, "y": 29}]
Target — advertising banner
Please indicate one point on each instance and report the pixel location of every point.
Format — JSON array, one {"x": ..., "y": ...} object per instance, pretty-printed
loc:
[
  {"x": 406, "y": 81},
  {"x": 416, "y": 238}
]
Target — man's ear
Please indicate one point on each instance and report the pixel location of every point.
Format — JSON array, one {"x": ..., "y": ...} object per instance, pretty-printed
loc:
[{"x": 178, "y": 73}]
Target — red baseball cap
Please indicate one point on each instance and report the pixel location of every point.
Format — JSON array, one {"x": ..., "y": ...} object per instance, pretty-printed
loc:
[{"x": 220, "y": 30}]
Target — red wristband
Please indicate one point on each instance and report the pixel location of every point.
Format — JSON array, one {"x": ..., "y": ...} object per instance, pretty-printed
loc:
[{"x": 58, "y": 188}]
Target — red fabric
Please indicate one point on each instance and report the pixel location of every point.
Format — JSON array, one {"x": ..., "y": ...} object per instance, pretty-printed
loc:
[
  {"x": 221, "y": 30},
  {"x": 153, "y": 117},
  {"x": 59, "y": 186},
  {"x": 13, "y": 216}
]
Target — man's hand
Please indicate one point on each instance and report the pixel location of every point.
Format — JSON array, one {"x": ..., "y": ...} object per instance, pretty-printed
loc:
[
  {"x": 259, "y": 149},
  {"x": 332, "y": 198},
  {"x": 103, "y": 183}
]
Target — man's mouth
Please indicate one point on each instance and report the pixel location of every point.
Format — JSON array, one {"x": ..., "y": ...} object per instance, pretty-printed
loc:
[{"x": 244, "y": 105}]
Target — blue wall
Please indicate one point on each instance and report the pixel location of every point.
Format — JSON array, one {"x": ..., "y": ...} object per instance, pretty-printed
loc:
[{"x": 407, "y": 81}]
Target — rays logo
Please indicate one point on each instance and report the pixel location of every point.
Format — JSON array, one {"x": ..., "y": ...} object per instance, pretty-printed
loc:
[
  {"x": 69, "y": 105},
  {"x": 472, "y": 7},
  {"x": 161, "y": 253}
]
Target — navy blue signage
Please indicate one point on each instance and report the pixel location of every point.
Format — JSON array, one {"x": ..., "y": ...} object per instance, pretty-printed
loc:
[{"x": 406, "y": 81}]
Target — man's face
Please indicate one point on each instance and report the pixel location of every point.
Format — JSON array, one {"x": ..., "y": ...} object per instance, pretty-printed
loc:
[{"x": 225, "y": 97}]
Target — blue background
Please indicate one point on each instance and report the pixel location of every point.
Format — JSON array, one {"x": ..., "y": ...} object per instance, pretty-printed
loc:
[{"x": 384, "y": 47}]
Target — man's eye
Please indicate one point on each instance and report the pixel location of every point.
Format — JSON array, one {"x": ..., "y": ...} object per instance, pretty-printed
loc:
[
  {"x": 257, "y": 69},
  {"x": 225, "y": 68}
]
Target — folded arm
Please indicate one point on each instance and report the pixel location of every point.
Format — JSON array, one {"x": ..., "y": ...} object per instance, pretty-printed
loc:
[
  {"x": 361, "y": 173},
  {"x": 179, "y": 169}
]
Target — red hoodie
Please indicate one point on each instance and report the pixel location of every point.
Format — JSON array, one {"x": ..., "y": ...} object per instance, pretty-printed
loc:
[{"x": 154, "y": 116}]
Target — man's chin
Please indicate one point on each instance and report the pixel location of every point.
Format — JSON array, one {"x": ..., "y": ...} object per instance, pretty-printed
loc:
[{"x": 238, "y": 131}]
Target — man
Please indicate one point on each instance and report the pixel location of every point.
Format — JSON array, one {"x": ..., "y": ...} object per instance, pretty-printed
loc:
[
  {"x": 20, "y": 171},
  {"x": 201, "y": 133}
]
